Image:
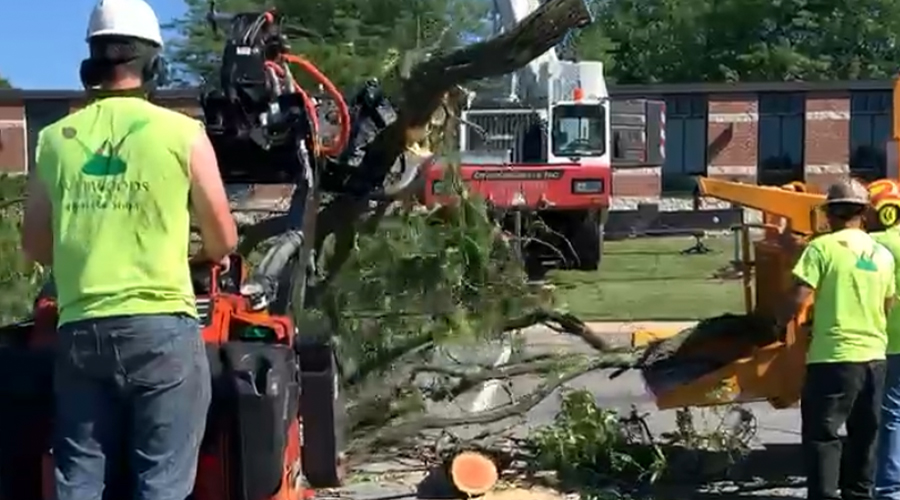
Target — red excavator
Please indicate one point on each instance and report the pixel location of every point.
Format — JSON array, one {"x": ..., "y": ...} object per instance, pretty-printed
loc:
[{"x": 265, "y": 438}]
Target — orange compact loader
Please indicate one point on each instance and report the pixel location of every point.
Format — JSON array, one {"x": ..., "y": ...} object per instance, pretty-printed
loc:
[{"x": 265, "y": 439}]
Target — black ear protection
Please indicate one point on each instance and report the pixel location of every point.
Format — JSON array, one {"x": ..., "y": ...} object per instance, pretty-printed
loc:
[
  {"x": 91, "y": 73},
  {"x": 154, "y": 70}
]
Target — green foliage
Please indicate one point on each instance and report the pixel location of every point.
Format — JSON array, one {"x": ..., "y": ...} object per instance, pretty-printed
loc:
[
  {"x": 359, "y": 38},
  {"x": 743, "y": 40},
  {"x": 441, "y": 275},
  {"x": 640, "y": 41},
  {"x": 592, "y": 445},
  {"x": 19, "y": 281},
  {"x": 4, "y": 83}
]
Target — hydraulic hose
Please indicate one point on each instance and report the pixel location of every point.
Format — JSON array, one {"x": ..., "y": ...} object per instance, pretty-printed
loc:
[{"x": 343, "y": 111}]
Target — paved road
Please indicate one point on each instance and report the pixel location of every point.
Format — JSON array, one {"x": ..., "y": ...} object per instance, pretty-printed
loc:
[
  {"x": 622, "y": 393},
  {"x": 778, "y": 430}
]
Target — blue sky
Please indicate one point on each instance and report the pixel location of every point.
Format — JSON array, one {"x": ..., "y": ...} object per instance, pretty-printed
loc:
[{"x": 43, "y": 40}]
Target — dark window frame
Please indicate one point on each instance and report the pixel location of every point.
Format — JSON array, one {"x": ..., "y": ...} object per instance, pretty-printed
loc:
[
  {"x": 685, "y": 110},
  {"x": 870, "y": 127},
  {"x": 782, "y": 161}
]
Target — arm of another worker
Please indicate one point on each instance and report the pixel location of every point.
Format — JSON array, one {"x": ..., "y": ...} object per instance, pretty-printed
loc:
[
  {"x": 37, "y": 223},
  {"x": 807, "y": 273},
  {"x": 890, "y": 298},
  {"x": 209, "y": 201}
]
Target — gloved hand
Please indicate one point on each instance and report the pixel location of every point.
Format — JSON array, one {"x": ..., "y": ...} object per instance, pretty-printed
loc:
[{"x": 200, "y": 257}]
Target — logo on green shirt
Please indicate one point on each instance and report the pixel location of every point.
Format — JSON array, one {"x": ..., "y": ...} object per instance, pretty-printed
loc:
[
  {"x": 105, "y": 160},
  {"x": 865, "y": 261}
]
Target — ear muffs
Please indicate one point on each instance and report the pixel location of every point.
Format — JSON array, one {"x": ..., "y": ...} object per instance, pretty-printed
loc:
[
  {"x": 91, "y": 73},
  {"x": 889, "y": 215},
  {"x": 155, "y": 72}
]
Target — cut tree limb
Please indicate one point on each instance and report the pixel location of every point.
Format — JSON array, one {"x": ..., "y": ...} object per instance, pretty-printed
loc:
[
  {"x": 429, "y": 82},
  {"x": 561, "y": 323},
  {"x": 404, "y": 429},
  {"x": 423, "y": 92}
]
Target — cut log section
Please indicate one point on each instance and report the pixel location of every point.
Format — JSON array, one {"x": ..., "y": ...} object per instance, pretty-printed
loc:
[{"x": 473, "y": 473}]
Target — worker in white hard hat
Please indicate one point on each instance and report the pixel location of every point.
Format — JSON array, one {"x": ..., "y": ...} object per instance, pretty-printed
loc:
[{"x": 108, "y": 207}]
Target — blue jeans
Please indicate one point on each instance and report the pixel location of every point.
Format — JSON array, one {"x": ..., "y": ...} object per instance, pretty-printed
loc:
[
  {"x": 887, "y": 477},
  {"x": 135, "y": 390}
]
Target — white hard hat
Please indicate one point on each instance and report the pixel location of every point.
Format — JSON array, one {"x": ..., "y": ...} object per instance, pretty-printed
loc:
[{"x": 133, "y": 18}]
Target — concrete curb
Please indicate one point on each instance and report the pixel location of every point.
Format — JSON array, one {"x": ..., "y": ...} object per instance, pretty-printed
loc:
[{"x": 629, "y": 327}]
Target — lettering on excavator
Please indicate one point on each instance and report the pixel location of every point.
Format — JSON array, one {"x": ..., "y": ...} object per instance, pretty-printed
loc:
[{"x": 517, "y": 175}]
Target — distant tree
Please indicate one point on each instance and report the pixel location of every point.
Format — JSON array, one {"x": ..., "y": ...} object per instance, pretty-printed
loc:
[
  {"x": 4, "y": 83},
  {"x": 357, "y": 38},
  {"x": 743, "y": 40}
]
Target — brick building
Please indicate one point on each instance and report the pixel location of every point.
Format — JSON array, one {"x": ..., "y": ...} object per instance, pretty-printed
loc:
[
  {"x": 770, "y": 133},
  {"x": 755, "y": 132}
]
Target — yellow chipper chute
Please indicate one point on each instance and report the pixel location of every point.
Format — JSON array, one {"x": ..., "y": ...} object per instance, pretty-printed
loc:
[
  {"x": 739, "y": 358},
  {"x": 733, "y": 357}
]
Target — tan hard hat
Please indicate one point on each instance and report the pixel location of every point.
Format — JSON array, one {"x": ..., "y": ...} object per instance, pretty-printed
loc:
[{"x": 847, "y": 191}]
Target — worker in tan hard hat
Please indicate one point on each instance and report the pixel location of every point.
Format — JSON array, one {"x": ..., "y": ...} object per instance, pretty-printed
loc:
[
  {"x": 884, "y": 222},
  {"x": 852, "y": 276}
]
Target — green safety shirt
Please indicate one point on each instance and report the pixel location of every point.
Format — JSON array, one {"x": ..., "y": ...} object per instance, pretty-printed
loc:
[
  {"x": 890, "y": 238},
  {"x": 852, "y": 275},
  {"x": 117, "y": 174}
]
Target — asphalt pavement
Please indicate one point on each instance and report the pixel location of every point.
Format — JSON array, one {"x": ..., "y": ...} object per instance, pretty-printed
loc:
[
  {"x": 777, "y": 430},
  {"x": 621, "y": 393}
]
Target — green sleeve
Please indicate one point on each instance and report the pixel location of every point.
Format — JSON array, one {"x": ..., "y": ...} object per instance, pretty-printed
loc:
[
  {"x": 895, "y": 278},
  {"x": 809, "y": 266},
  {"x": 888, "y": 241}
]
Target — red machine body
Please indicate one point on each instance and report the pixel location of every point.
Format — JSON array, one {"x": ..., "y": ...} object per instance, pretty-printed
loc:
[
  {"x": 252, "y": 447},
  {"x": 538, "y": 187}
]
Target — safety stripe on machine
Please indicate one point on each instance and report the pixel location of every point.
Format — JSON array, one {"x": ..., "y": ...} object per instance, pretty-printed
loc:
[{"x": 204, "y": 306}]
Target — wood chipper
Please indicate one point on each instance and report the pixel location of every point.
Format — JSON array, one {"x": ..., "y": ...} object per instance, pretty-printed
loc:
[{"x": 741, "y": 358}]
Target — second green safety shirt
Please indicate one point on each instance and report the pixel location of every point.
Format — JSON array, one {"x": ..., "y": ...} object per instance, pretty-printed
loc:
[
  {"x": 852, "y": 275},
  {"x": 890, "y": 238}
]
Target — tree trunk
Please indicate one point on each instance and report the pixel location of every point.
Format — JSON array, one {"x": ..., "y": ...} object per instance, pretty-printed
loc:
[{"x": 429, "y": 81}]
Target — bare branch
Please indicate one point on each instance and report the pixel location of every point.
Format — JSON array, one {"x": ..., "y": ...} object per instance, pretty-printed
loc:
[
  {"x": 405, "y": 429},
  {"x": 561, "y": 322}
]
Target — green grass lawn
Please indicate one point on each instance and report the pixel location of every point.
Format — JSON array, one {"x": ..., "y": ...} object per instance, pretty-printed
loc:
[{"x": 649, "y": 279}]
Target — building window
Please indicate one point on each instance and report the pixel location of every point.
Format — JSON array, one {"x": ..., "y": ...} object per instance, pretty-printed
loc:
[
  {"x": 870, "y": 129},
  {"x": 782, "y": 123},
  {"x": 685, "y": 142},
  {"x": 40, "y": 113}
]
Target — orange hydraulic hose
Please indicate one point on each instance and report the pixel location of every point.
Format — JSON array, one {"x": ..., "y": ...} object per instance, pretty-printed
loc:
[
  {"x": 343, "y": 111},
  {"x": 310, "y": 106}
]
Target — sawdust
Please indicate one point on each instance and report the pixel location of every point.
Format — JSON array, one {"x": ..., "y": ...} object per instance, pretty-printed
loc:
[{"x": 536, "y": 493}]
